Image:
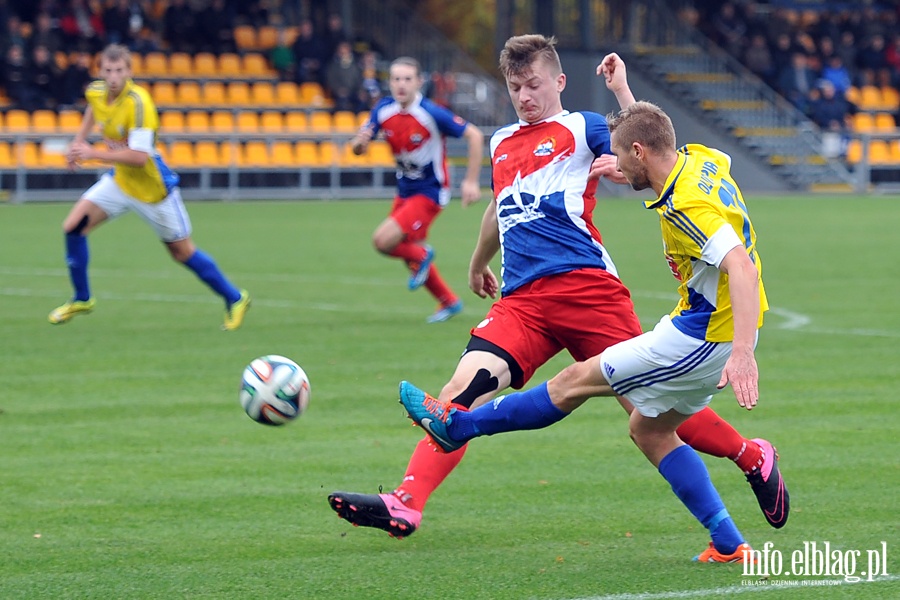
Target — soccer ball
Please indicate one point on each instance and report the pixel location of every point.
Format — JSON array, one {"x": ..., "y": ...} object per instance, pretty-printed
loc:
[{"x": 274, "y": 390}]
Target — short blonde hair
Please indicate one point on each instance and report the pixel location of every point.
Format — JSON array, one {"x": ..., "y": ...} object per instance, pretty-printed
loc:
[
  {"x": 115, "y": 53},
  {"x": 643, "y": 122},
  {"x": 520, "y": 52}
]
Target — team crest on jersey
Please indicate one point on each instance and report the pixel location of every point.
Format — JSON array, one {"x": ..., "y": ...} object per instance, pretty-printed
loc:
[
  {"x": 673, "y": 266},
  {"x": 416, "y": 138},
  {"x": 458, "y": 120},
  {"x": 501, "y": 158},
  {"x": 545, "y": 147}
]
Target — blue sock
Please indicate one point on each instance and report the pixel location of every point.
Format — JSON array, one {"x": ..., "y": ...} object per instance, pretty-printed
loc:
[
  {"x": 207, "y": 270},
  {"x": 77, "y": 257},
  {"x": 686, "y": 473},
  {"x": 532, "y": 409}
]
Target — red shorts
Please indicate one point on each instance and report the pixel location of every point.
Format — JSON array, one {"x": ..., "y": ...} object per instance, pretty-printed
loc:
[
  {"x": 584, "y": 311},
  {"x": 415, "y": 215}
]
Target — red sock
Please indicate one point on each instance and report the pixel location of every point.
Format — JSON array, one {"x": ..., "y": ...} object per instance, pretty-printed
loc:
[
  {"x": 426, "y": 471},
  {"x": 709, "y": 433},
  {"x": 439, "y": 288},
  {"x": 410, "y": 252}
]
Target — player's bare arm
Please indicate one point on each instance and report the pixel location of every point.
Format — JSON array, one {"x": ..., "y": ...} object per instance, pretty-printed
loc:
[
  {"x": 470, "y": 187},
  {"x": 82, "y": 151},
  {"x": 360, "y": 141},
  {"x": 482, "y": 280},
  {"x": 743, "y": 288},
  {"x": 87, "y": 124},
  {"x": 607, "y": 166},
  {"x": 612, "y": 69}
]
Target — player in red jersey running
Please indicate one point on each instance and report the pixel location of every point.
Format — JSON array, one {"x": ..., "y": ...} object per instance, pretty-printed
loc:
[
  {"x": 415, "y": 129},
  {"x": 560, "y": 287}
]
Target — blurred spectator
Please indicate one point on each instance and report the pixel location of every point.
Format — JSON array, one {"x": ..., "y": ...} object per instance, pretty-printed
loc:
[
  {"x": 147, "y": 40},
  {"x": 75, "y": 80},
  {"x": 282, "y": 58},
  {"x": 835, "y": 73},
  {"x": 309, "y": 53},
  {"x": 728, "y": 29},
  {"x": 334, "y": 35},
  {"x": 872, "y": 56},
  {"x": 796, "y": 81},
  {"x": 343, "y": 79},
  {"x": 829, "y": 110},
  {"x": 44, "y": 79},
  {"x": 758, "y": 58},
  {"x": 782, "y": 51},
  {"x": 372, "y": 78},
  {"x": 216, "y": 29},
  {"x": 892, "y": 57},
  {"x": 45, "y": 34},
  {"x": 82, "y": 27},
  {"x": 12, "y": 36},
  {"x": 180, "y": 26},
  {"x": 16, "y": 78},
  {"x": 117, "y": 20},
  {"x": 847, "y": 50}
]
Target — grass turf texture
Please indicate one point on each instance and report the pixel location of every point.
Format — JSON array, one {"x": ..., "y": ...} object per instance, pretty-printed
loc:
[{"x": 130, "y": 470}]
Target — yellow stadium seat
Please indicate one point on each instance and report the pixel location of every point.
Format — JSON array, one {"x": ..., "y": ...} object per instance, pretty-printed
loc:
[
  {"x": 214, "y": 93},
  {"x": 854, "y": 152},
  {"x": 256, "y": 154},
  {"x": 171, "y": 121},
  {"x": 230, "y": 154},
  {"x": 189, "y": 93},
  {"x": 320, "y": 122},
  {"x": 205, "y": 64},
  {"x": 863, "y": 122},
  {"x": 328, "y": 153},
  {"x": 344, "y": 122},
  {"x": 229, "y": 65},
  {"x": 262, "y": 93},
  {"x": 311, "y": 94},
  {"x": 197, "y": 121},
  {"x": 282, "y": 154},
  {"x": 155, "y": 65},
  {"x": 286, "y": 93},
  {"x": 254, "y": 65},
  {"x": 52, "y": 158},
  {"x": 137, "y": 65},
  {"x": 206, "y": 153},
  {"x": 271, "y": 122},
  {"x": 17, "y": 121},
  {"x": 266, "y": 37},
  {"x": 895, "y": 152},
  {"x": 182, "y": 154},
  {"x": 222, "y": 121},
  {"x": 247, "y": 122},
  {"x": 180, "y": 64},
  {"x": 879, "y": 152},
  {"x": 380, "y": 154},
  {"x": 296, "y": 121},
  {"x": 244, "y": 37},
  {"x": 28, "y": 155},
  {"x": 69, "y": 120},
  {"x": 884, "y": 122},
  {"x": 43, "y": 121},
  {"x": 890, "y": 98},
  {"x": 164, "y": 93},
  {"x": 869, "y": 98},
  {"x": 6, "y": 156},
  {"x": 238, "y": 93},
  {"x": 306, "y": 153}
]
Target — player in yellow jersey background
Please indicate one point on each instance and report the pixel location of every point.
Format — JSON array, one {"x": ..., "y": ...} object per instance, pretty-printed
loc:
[{"x": 139, "y": 181}]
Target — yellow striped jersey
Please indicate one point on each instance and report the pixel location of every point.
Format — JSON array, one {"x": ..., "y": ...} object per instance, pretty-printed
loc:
[
  {"x": 702, "y": 216},
  {"x": 131, "y": 120}
]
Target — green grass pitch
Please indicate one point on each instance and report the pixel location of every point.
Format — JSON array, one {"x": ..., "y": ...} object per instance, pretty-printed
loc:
[{"x": 129, "y": 469}]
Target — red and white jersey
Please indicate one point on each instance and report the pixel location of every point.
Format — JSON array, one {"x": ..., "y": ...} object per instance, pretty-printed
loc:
[
  {"x": 545, "y": 203},
  {"x": 416, "y": 137}
]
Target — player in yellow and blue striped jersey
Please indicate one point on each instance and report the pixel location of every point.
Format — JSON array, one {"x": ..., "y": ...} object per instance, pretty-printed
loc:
[{"x": 139, "y": 181}]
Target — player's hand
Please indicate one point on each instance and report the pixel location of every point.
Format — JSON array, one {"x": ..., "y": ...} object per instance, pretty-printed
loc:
[
  {"x": 607, "y": 166},
  {"x": 742, "y": 373},
  {"x": 79, "y": 152},
  {"x": 483, "y": 283},
  {"x": 471, "y": 192},
  {"x": 612, "y": 69},
  {"x": 361, "y": 140}
]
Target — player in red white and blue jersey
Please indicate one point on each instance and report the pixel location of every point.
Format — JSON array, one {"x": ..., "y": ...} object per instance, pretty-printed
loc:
[
  {"x": 414, "y": 128},
  {"x": 560, "y": 289}
]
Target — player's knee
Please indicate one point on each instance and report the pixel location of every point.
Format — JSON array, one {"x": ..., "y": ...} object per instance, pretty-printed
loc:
[
  {"x": 76, "y": 228},
  {"x": 483, "y": 382}
]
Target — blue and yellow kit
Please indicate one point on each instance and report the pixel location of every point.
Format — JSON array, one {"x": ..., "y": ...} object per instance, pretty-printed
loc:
[{"x": 703, "y": 216}]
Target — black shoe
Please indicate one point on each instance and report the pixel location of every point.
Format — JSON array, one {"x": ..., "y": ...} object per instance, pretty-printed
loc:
[
  {"x": 767, "y": 484},
  {"x": 382, "y": 511}
]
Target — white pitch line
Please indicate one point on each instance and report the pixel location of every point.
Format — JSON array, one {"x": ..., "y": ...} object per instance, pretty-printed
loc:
[{"x": 729, "y": 591}]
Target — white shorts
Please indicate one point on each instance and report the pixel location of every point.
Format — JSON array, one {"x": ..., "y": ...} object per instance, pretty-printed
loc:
[
  {"x": 665, "y": 369},
  {"x": 168, "y": 218}
]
